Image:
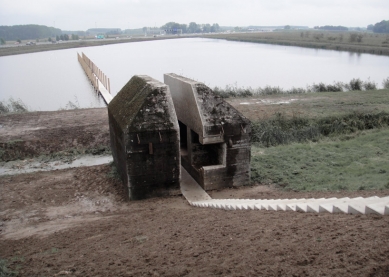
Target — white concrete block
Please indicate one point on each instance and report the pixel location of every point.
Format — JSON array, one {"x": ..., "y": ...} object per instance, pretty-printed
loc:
[
  {"x": 352, "y": 206},
  {"x": 293, "y": 206},
  {"x": 378, "y": 206},
  {"x": 313, "y": 207}
]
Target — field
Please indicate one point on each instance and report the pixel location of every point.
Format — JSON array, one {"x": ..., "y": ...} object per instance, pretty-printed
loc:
[
  {"x": 343, "y": 41},
  {"x": 75, "y": 222},
  {"x": 325, "y": 141},
  {"x": 312, "y": 105}
]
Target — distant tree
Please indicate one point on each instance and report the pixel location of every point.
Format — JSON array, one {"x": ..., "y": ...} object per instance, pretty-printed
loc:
[
  {"x": 57, "y": 38},
  {"x": 75, "y": 37},
  {"x": 29, "y": 32},
  {"x": 174, "y": 28},
  {"x": 184, "y": 28},
  {"x": 370, "y": 27},
  {"x": 2, "y": 41},
  {"x": 215, "y": 28},
  {"x": 18, "y": 40},
  {"x": 207, "y": 28},
  {"x": 333, "y": 28},
  {"x": 287, "y": 27},
  {"x": 381, "y": 27},
  {"x": 192, "y": 28},
  {"x": 144, "y": 30},
  {"x": 49, "y": 39},
  {"x": 355, "y": 37}
]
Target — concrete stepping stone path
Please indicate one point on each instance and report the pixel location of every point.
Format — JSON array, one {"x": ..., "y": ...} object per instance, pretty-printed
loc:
[{"x": 197, "y": 197}]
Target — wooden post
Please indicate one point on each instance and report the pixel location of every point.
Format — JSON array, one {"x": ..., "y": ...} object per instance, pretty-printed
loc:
[{"x": 96, "y": 76}]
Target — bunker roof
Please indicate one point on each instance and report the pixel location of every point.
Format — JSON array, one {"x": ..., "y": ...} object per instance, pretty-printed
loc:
[{"x": 144, "y": 104}]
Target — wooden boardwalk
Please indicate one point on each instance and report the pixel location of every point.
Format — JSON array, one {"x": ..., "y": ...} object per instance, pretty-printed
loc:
[{"x": 98, "y": 79}]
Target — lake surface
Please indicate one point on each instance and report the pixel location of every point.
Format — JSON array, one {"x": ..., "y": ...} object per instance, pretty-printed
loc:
[{"x": 49, "y": 80}]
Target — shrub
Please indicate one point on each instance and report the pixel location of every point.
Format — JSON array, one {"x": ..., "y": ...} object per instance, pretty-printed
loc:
[
  {"x": 355, "y": 84},
  {"x": 369, "y": 85},
  {"x": 321, "y": 87},
  {"x": 3, "y": 108},
  {"x": 296, "y": 91},
  {"x": 282, "y": 130},
  {"x": 355, "y": 37},
  {"x": 385, "y": 83},
  {"x": 268, "y": 90},
  {"x": 13, "y": 106}
]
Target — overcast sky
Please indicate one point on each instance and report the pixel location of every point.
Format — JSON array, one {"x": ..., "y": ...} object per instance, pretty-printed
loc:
[{"x": 124, "y": 14}]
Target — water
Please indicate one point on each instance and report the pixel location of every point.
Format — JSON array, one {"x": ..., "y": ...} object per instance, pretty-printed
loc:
[
  {"x": 28, "y": 166},
  {"x": 49, "y": 80}
]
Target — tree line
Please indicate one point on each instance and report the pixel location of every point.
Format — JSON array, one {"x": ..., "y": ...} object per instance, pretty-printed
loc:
[
  {"x": 193, "y": 27},
  {"x": 380, "y": 27},
  {"x": 331, "y": 28},
  {"x": 25, "y": 32},
  {"x": 66, "y": 37}
]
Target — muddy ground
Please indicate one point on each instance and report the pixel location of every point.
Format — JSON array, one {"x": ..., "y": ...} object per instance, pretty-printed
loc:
[{"x": 76, "y": 222}]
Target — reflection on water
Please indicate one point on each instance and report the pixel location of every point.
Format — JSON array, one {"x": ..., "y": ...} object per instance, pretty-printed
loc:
[{"x": 49, "y": 80}]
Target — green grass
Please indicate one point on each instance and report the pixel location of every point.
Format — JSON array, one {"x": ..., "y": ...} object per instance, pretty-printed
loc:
[
  {"x": 353, "y": 162},
  {"x": 315, "y": 105},
  {"x": 354, "y": 84},
  {"x": 5, "y": 271},
  {"x": 284, "y": 130}
]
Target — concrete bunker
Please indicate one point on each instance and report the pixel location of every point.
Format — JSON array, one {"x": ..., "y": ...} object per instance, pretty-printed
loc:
[
  {"x": 144, "y": 136},
  {"x": 214, "y": 136}
]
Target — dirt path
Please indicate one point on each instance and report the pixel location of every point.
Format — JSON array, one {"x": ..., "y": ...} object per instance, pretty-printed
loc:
[{"x": 76, "y": 222}]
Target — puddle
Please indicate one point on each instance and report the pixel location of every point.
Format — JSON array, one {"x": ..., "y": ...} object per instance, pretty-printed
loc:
[
  {"x": 269, "y": 102},
  {"x": 28, "y": 166}
]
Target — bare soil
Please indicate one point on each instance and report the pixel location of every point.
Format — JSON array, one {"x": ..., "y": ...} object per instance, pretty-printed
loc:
[
  {"x": 27, "y": 135},
  {"x": 76, "y": 222}
]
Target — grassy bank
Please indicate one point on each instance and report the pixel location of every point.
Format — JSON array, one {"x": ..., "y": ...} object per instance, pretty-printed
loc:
[
  {"x": 356, "y": 84},
  {"x": 346, "y": 163},
  {"x": 282, "y": 130},
  {"x": 312, "y": 105},
  {"x": 342, "y": 41},
  {"x": 25, "y": 49},
  {"x": 326, "y": 141}
]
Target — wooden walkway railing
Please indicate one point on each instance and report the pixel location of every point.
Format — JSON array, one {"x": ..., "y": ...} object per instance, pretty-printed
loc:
[{"x": 98, "y": 79}]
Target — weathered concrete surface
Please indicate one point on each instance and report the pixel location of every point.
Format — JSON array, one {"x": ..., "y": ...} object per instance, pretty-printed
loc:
[
  {"x": 145, "y": 138},
  {"x": 215, "y": 137},
  {"x": 191, "y": 190}
]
